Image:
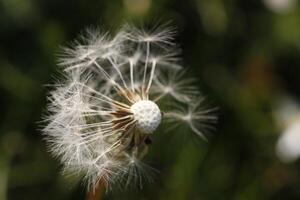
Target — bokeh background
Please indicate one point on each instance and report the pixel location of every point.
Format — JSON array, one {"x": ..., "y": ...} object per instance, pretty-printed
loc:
[{"x": 246, "y": 56}]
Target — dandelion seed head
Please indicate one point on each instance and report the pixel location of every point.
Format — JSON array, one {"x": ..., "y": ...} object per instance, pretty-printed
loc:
[{"x": 113, "y": 97}]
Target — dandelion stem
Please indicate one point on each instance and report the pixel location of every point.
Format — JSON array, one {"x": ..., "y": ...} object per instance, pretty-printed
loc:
[{"x": 97, "y": 192}]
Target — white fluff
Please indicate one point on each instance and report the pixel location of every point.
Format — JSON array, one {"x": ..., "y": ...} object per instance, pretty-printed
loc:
[{"x": 94, "y": 126}]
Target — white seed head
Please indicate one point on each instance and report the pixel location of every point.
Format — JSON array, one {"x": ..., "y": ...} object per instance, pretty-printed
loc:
[
  {"x": 102, "y": 113},
  {"x": 147, "y": 114}
]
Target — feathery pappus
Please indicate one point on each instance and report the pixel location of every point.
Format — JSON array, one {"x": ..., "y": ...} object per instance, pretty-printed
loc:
[{"x": 116, "y": 91}]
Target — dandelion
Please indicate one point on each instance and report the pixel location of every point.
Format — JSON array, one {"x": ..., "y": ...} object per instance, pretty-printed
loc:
[{"x": 115, "y": 93}]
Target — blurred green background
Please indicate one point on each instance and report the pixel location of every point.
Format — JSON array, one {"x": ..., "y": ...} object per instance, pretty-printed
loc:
[{"x": 245, "y": 54}]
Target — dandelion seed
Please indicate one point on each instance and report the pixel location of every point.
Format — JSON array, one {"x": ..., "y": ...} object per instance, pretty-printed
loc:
[{"x": 101, "y": 116}]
